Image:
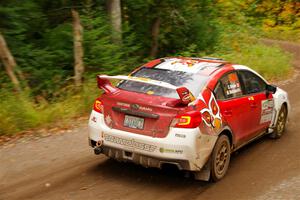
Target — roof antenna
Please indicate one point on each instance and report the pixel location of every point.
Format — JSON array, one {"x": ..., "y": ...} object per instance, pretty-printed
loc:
[{"x": 212, "y": 58}]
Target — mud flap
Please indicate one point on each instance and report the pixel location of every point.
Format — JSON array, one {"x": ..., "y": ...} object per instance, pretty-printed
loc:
[{"x": 204, "y": 173}]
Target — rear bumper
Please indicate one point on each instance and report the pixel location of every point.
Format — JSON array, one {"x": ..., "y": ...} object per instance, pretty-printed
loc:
[{"x": 187, "y": 148}]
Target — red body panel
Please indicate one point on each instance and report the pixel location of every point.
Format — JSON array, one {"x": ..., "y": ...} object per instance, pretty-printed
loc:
[
  {"x": 256, "y": 112},
  {"x": 147, "y": 104},
  {"x": 238, "y": 116},
  {"x": 153, "y": 63}
]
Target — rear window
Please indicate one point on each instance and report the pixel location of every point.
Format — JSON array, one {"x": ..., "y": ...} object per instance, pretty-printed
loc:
[{"x": 194, "y": 82}]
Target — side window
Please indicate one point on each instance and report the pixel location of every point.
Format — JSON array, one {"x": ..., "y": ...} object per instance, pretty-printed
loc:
[
  {"x": 231, "y": 85},
  {"x": 252, "y": 83},
  {"x": 218, "y": 91}
]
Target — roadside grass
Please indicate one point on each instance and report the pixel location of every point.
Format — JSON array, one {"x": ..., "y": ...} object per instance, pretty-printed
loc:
[
  {"x": 285, "y": 33},
  {"x": 243, "y": 46},
  {"x": 19, "y": 112},
  {"x": 270, "y": 61}
]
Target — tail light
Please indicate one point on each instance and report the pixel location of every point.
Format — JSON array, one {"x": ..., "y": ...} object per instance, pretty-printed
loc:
[
  {"x": 98, "y": 106},
  {"x": 190, "y": 119}
]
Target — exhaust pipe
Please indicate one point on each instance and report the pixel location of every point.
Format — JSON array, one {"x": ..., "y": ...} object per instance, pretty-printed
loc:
[{"x": 98, "y": 149}]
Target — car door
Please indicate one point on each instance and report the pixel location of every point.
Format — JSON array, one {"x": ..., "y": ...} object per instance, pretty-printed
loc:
[
  {"x": 234, "y": 106},
  {"x": 261, "y": 103}
]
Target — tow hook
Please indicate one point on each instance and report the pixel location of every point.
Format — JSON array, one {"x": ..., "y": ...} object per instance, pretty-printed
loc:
[{"x": 98, "y": 149}]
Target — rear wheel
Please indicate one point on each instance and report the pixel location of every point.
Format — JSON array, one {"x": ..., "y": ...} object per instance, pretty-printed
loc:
[
  {"x": 220, "y": 158},
  {"x": 280, "y": 124}
]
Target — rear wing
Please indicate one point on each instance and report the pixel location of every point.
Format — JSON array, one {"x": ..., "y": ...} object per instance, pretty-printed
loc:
[
  {"x": 140, "y": 79},
  {"x": 103, "y": 83}
]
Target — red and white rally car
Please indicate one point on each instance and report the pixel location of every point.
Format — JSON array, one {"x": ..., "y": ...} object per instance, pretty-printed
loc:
[{"x": 190, "y": 112}]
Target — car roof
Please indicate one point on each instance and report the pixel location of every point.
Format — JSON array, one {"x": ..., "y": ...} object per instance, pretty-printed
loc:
[
  {"x": 204, "y": 66},
  {"x": 214, "y": 68}
]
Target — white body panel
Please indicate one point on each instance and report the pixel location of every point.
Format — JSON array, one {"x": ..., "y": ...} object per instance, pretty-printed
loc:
[
  {"x": 280, "y": 97},
  {"x": 180, "y": 144}
]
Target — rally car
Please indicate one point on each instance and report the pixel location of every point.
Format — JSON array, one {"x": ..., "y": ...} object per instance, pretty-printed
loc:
[{"x": 189, "y": 112}]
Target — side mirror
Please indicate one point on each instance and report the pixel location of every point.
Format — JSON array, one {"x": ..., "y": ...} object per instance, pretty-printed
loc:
[
  {"x": 271, "y": 88},
  {"x": 185, "y": 95}
]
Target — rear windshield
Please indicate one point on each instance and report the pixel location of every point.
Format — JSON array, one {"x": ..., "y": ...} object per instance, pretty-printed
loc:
[{"x": 194, "y": 82}]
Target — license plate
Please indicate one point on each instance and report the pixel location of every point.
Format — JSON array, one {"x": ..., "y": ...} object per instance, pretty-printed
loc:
[{"x": 134, "y": 122}]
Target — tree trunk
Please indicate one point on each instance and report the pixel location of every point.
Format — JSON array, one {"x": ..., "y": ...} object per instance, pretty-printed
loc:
[
  {"x": 78, "y": 49},
  {"x": 9, "y": 63},
  {"x": 155, "y": 34},
  {"x": 114, "y": 9}
]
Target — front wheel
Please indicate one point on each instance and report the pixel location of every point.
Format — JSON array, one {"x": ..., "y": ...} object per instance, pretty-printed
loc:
[
  {"x": 280, "y": 124},
  {"x": 220, "y": 158}
]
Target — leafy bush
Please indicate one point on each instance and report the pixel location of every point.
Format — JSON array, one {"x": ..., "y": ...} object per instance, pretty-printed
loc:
[{"x": 19, "y": 112}]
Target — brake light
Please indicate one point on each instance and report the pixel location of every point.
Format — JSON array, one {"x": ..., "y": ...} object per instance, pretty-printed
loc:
[
  {"x": 190, "y": 119},
  {"x": 98, "y": 106}
]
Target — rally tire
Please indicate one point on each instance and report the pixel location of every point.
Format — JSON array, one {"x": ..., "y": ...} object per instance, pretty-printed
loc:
[
  {"x": 280, "y": 123},
  {"x": 220, "y": 158}
]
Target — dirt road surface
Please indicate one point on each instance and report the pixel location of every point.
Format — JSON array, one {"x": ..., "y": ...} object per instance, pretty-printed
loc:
[{"x": 64, "y": 167}]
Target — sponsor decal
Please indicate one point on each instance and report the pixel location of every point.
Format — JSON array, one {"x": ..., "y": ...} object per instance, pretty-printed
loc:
[
  {"x": 186, "y": 65},
  {"x": 150, "y": 92},
  {"x": 123, "y": 104},
  {"x": 251, "y": 98},
  {"x": 129, "y": 143},
  {"x": 267, "y": 107},
  {"x": 94, "y": 119},
  {"x": 145, "y": 108},
  {"x": 134, "y": 106},
  {"x": 187, "y": 62},
  {"x": 176, "y": 151},
  {"x": 180, "y": 135},
  {"x": 139, "y": 78},
  {"x": 186, "y": 98},
  {"x": 233, "y": 86}
]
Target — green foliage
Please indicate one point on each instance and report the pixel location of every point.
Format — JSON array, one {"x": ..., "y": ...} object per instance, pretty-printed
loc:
[
  {"x": 40, "y": 36},
  {"x": 19, "y": 112},
  {"x": 278, "y": 19},
  {"x": 43, "y": 54},
  {"x": 182, "y": 23},
  {"x": 101, "y": 54}
]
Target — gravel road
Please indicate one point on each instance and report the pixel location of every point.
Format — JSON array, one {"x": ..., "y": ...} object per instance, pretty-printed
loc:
[{"x": 64, "y": 167}]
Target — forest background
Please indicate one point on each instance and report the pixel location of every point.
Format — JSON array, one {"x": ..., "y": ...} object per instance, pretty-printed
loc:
[{"x": 51, "y": 51}]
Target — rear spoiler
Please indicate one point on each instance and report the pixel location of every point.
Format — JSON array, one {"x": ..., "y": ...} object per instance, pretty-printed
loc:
[
  {"x": 103, "y": 83},
  {"x": 139, "y": 79}
]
